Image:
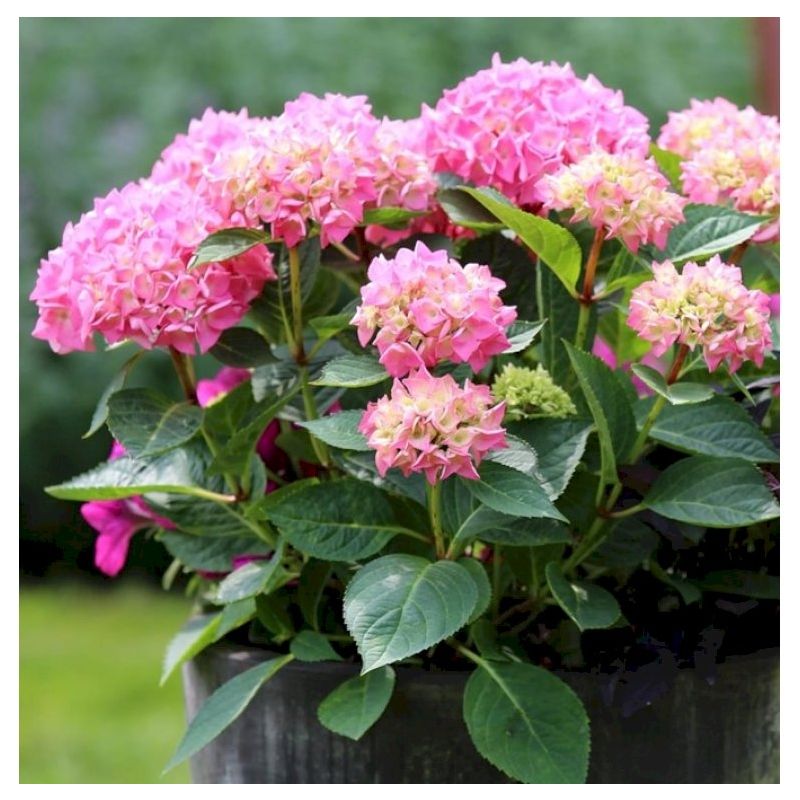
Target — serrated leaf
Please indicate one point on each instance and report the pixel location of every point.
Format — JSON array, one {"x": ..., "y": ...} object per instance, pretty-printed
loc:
[
  {"x": 252, "y": 578},
  {"x": 561, "y": 311},
  {"x": 628, "y": 543},
  {"x": 678, "y": 393},
  {"x": 587, "y": 605},
  {"x": 147, "y": 423},
  {"x": 223, "y": 707},
  {"x": 338, "y": 430},
  {"x": 310, "y": 589},
  {"x": 343, "y": 521},
  {"x": 464, "y": 210},
  {"x": 521, "y": 335},
  {"x": 528, "y": 723},
  {"x": 354, "y": 706},
  {"x": 398, "y": 605},
  {"x": 243, "y": 348},
  {"x": 478, "y": 574},
  {"x": 510, "y": 492},
  {"x": 227, "y": 243},
  {"x": 391, "y": 217},
  {"x": 115, "y": 384},
  {"x": 210, "y": 553},
  {"x": 351, "y": 372},
  {"x": 518, "y": 455},
  {"x": 715, "y": 492},
  {"x": 312, "y": 646}
]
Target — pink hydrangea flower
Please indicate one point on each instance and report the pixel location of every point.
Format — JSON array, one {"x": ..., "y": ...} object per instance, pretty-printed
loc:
[
  {"x": 511, "y": 124},
  {"x": 122, "y": 271},
  {"x": 432, "y": 425},
  {"x": 623, "y": 193},
  {"x": 320, "y": 165},
  {"x": 703, "y": 306},
  {"x": 427, "y": 308}
]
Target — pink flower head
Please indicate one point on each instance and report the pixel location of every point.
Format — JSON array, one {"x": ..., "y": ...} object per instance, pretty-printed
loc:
[
  {"x": 115, "y": 522},
  {"x": 427, "y": 308},
  {"x": 623, "y": 193},
  {"x": 706, "y": 306},
  {"x": 434, "y": 426},
  {"x": 730, "y": 155},
  {"x": 123, "y": 272},
  {"x": 320, "y": 165},
  {"x": 511, "y": 124}
]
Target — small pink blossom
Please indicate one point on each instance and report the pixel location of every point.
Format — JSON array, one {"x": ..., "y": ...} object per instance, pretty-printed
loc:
[
  {"x": 432, "y": 425},
  {"x": 427, "y": 308},
  {"x": 624, "y": 194},
  {"x": 511, "y": 124},
  {"x": 706, "y": 306}
]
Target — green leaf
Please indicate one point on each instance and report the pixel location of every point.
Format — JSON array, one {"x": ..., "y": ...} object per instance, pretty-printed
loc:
[
  {"x": 391, "y": 217},
  {"x": 669, "y": 163},
  {"x": 484, "y": 635},
  {"x": 327, "y": 327},
  {"x": 741, "y": 582},
  {"x": 510, "y": 492},
  {"x": 521, "y": 334},
  {"x": 628, "y": 544},
  {"x": 715, "y": 492},
  {"x": 679, "y": 393},
  {"x": 528, "y": 723},
  {"x": 310, "y": 589},
  {"x": 462, "y": 209},
  {"x": 719, "y": 427},
  {"x": 352, "y": 372},
  {"x": 609, "y": 407},
  {"x": 688, "y": 591},
  {"x": 115, "y": 384},
  {"x": 252, "y": 579},
  {"x": 553, "y": 244},
  {"x": 272, "y": 614},
  {"x": 354, "y": 706},
  {"x": 225, "y": 244},
  {"x": 518, "y": 455},
  {"x": 708, "y": 230},
  {"x": 478, "y": 573},
  {"x": 559, "y": 446},
  {"x": 587, "y": 605},
  {"x": 343, "y": 521},
  {"x": 210, "y": 553},
  {"x": 561, "y": 311},
  {"x": 223, "y": 707},
  {"x": 243, "y": 348},
  {"x": 339, "y": 430},
  {"x": 312, "y": 646},
  {"x": 194, "y": 636},
  {"x": 207, "y": 519},
  {"x": 147, "y": 423},
  {"x": 398, "y": 605}
]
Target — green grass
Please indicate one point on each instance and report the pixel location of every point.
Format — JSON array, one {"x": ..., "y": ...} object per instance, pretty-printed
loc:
[{"x": 91, "y": 710}]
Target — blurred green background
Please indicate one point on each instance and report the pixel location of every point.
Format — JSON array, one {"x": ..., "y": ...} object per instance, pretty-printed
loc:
[{"x": 99, "y": 99}]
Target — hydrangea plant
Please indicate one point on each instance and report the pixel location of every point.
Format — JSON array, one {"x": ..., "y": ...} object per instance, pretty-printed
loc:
[{"x": 479, "y": 371}]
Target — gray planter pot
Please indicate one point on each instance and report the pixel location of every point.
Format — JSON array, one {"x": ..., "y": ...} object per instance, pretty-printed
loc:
[{"x": 689, "y": 731}]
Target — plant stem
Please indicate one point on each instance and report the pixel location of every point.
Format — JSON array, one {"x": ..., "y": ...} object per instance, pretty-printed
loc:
[
  {"x": 435, "y": 512},
  {"x": 185, "y": 371},
  {"x": 586, "y": 297},
  {"x": 346, "y": 251},
  {"x": 738, "y": 251},
  {"x": 649, "y": 421},
  {"x": 496, "y": 576},
  {"x": 297, "y": 304}
]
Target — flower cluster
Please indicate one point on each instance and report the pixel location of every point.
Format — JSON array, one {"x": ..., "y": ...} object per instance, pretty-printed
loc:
[
  {"x": 530, "y": 393},
  {"x": 622, "y": 193},
  {"x": 511, "y": 124},
  {"x": 706, "y": 306},
  {"x": 434, "y": 426},
  {"x": 321, "y": 164},
  {"x": 427, "y": 308},
  {"x": 122, "y": 271},
  {"x": 730, "y": 154}
]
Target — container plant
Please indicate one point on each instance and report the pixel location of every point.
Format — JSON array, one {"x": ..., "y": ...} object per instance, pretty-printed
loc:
[{"x": 496, "y": 415}]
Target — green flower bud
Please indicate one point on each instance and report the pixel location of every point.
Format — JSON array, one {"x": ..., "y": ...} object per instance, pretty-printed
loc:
[{"x": 531, "y": 393}]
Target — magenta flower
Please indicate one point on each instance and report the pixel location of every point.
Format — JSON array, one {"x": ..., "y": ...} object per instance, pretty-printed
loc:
[
  {"x": 427, "y": 308},
  {"x": 432, "y": 425},
  {"x": 624, "y": 194},
  {"x": 512, "y": 124},
  {"x": 704, "y": 306},
  {"x": 122, "y": 272}
]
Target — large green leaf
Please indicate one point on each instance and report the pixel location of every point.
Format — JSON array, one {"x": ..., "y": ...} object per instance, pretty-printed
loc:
[
  {"x": 354, "y": 706},
  {"x": 342, "y": 521},
  {"x": 146, "y": 423},
  {"x": 398, "y": 605},
  {"x": 210, "y": 553},
  {"x": 339, "y": 430},
  {"x": 560, "y": 310},
  {"x": 716, "y": 492},
  {"x": 478, "y": 573},
  {"x": 708, "y": 230},
  {"x": 114, "y": 385},
  {"x": 513, "y": 493},
  {"x": 352, "y": 372},
  {"x": 678, "y": 394},
  {"x": 718, "y": 427},
  {"x": 521, "y": 335},
  {"x": 609, "y": 407},
  {"x": 528, "y": 723},
  {"x": 559, "y": 446},
  {"x": 628, "y": 543},
  {"x": 223, "y": 707},
  {"x": 312, "y": 646},
  {"x": 243, "y": 348},
  {"x": 227, "y": 243},
  {"x": 587, "y": 605}
]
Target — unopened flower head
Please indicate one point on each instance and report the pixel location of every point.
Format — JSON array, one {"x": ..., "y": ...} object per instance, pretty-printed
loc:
[
  {"x": 703, "y": 306},
  {"x": 624, "y": 194},
  {"x": 511, "y": 124},
  {"x": 427, "y": 308},
  {"x": 122, "y": 271},
  {"x": 530, "y": 393},
  {"x": 434, "y": 426}
]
